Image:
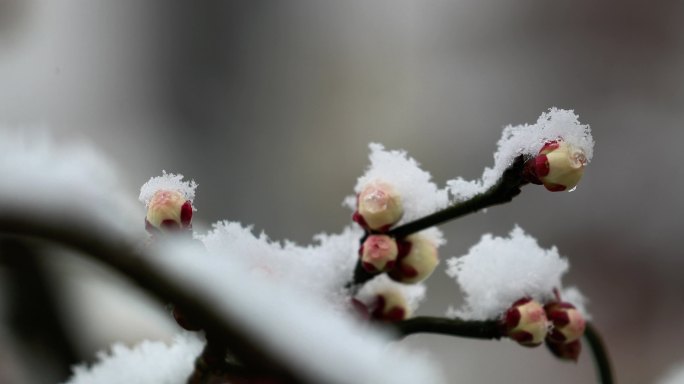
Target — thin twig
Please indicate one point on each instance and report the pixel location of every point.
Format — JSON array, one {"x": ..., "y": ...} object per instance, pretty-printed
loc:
[
  {"x": 604, "y": 370},
  {"x": 488, "y": 329},
  {"x": 505, "y": 189}
]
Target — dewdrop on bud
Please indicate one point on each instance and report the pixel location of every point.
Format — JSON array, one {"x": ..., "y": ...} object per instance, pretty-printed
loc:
[
  {"x": 390, "y": 305},
  {"x": 169, "y": 210},
  {"x": 525, "y": 322},
  {"x": 568, "y": 322},
  {"x": 559, "y": 166},
  {"x": 378, "y": 206},
  {"x": 378, "y": 253},
  {"x": 417, "y": 260}
]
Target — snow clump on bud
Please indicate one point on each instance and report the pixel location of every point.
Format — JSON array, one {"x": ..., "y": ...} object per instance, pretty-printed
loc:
[
  {"x": 525, "y": 322},
  {"x": 417, "y": 260},
  {"x": 169, "y": 202},
  {"x": 379, "y": 206},
  {"x": 378, "y": 253}
]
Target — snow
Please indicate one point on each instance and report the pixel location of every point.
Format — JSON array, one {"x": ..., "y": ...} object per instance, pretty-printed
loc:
[
  {"x": 322, "y": 342},
  {"x": 527, "y": 140},
  {"x": 167, "y": 182},
  {"x": 500, "y": 270},
  {"x": 323, "y": 268},
  {"x": 146, "y": 363},
  {"x": 59, "y": 179},
  {"x": 419, "y": 195}
]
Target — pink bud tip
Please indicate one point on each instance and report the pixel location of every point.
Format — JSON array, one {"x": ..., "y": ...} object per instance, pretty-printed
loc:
[
  {"x": 378, "y": 253},
  {"x": 379, "y": 207}
]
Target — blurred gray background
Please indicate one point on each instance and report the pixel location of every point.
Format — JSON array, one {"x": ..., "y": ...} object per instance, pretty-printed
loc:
[{"x": 270, "y": 106}]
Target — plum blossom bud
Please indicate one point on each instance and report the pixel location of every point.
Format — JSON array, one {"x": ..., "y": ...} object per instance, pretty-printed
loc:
[
  {"x": 378, "y": 253},
  {"x": 168, "y": 210},
  {"x": 525, "y": 322},
  {"x": 568, "y": 322},
  {"x": 390, "y": 305},
  {"x": 417, "y": 260},
  {"x": 559, "y": 166},
  {"x": 565, "y": 351},
  {"x": 378, "y": 207}
]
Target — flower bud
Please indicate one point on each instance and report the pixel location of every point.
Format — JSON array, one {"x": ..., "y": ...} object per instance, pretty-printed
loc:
[
  {"x": 568, "y": 322},
  {"x": 168, "y": 210},
  {"x": 378, "y": 253},
  {"x": 526, "y": 323},
  {"x": 417, "y": 260},
  {"x": 378, "y": 207},
  {"x": 390, "y": 305},
  {"x": 559, "y": 166},
  {"x": 565, "y": 351}
]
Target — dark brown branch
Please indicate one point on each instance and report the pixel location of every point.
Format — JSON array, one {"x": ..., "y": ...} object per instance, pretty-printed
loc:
[
  {"x": 600, "y": 354},
  {"x": 489, "y": 329},
  {"x": 118, "y": 254},
  {"x": 503, "y": 191},
  {"x": 35, "y": 316}
]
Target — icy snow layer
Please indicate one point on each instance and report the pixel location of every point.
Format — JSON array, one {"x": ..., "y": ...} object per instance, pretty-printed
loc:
[
  {"x": 150, "y": 362},
  {"x": 322, "y": 269},
  {"x": 71, "y": 179},
  {"x": 170, "y": 182},
  {"x": 498, "y": 271},
  {"x": 527, "y": 140},
  {"x": 419, "y": 195},
  {"x": 325, "y": 344}
]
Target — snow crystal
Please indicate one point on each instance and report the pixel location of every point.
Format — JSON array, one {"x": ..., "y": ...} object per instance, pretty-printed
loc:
[
  {"x": 527, "y": 140},
  {"x": 419, "y": 195},
  {"x": 498, "y": 271},
  {"x": 324, "y": 268},
  {"x": 322, "y": 343},
  {"x": 169, "y": 182},
  {"x": 147, "y": 363},
  {"x": 52, "y": 179},
  {"x": 413, "y": 293}
]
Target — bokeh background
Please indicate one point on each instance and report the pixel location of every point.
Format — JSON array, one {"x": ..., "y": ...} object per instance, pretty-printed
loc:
[{"x": 270, "y": 107}]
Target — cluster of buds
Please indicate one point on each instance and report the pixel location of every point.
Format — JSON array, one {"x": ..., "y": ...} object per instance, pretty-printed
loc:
[
  {"x": 559, "y": 324},
  {"x": 168, "y": 211},
  {"x": 408, "y": 260},
  {"x": 558, "y": 166}
]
